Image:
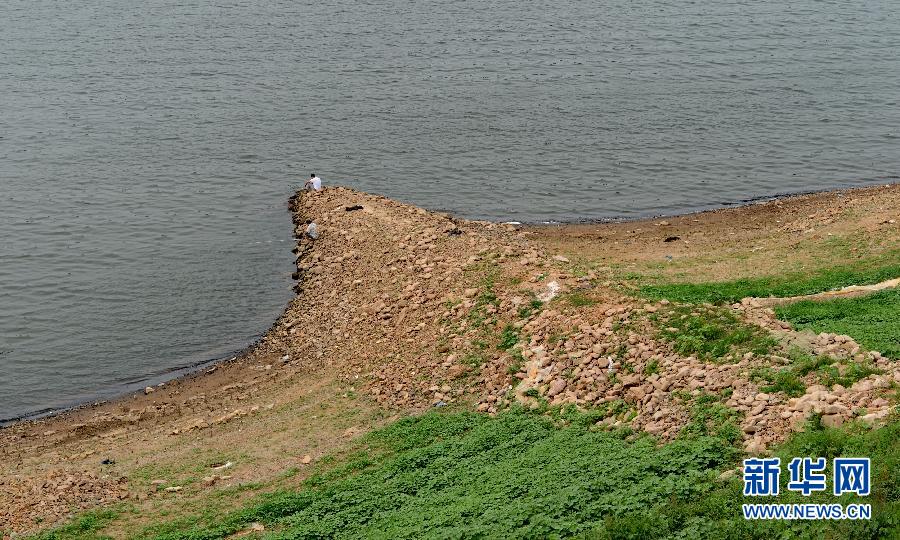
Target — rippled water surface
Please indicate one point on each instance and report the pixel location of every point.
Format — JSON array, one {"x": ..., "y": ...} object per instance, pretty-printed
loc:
[{"x": 147, "y": 148}]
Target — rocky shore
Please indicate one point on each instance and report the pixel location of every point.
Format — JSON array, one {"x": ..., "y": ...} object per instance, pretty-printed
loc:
[{"x": 412, "y": 310}]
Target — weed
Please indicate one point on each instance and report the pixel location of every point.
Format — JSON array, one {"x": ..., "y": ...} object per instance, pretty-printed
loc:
[
  {"x": 712, "y": 333},
  {"x": 508, "y": 338},
  {"x": 533, "y": 306},
  {"x": 469, "y": 475},
  {"x": 873, "y": 321},
  {"x": 852, "y": 372},
  {"x": 785, "y": 380},
  {"x": 85, "y": 526},
  {"x": 709, "y": 417},
  {"x": 516, "y": 365},
  {"x": 579, "y": 300},
  {"x": 523, "y": 474},
  {"x": 795, "y": 284}
]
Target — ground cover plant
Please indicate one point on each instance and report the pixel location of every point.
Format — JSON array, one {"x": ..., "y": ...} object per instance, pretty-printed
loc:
[
  {"x": 548, "y": 474},
  {"x": 873, "y": 320},
  {"x": 710, "y": 333},
  {"x": 792, "y": 284}
]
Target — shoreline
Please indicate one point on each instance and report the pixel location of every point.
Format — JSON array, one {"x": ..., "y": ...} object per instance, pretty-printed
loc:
[
  {"x": 399, "y": 310},
  {"x": 568, "y": 227},
  {"x": 743, "y": 203}
]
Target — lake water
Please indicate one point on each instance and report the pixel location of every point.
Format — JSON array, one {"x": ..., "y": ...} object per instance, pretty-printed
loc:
[{"x": 147, "y": 148}]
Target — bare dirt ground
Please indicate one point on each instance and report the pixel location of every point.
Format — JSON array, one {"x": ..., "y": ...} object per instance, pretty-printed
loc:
[
  {"x": 773, "y": 237},
  {"x": 399, "y": 310}
]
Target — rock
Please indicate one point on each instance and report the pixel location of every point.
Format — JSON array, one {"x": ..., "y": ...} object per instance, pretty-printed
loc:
[
  {"x": 149, "y": 390},
  {"x": 832, "y": 420},
  {"x": 556, "y": 387},
  {"x": 306, "y": 460},
  {"x": 835, "y": 408},
  {"x": 755, "y": 446},
  {"x": 560, "y": 258}
]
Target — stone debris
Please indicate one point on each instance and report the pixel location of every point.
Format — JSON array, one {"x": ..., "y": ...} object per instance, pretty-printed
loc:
[
  {"x": 59, "y": 493},
  {"x": 417, "y": 310},
  {"x": 412, "y": 322}
]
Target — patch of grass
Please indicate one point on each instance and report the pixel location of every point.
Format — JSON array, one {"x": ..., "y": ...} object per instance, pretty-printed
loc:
[
  {"x": 711, "y": 333},
  {"x": 710, "y": 417},
  {"x": 718, "y": 513},
  {"x": 873, "y": 320},
  {"x": 784, "y": 380},
  {"x": 787, "y": 380},
  {"x": 470, "y": 475},
  {"x": 533, "y": 306},
  {"x": 474, "y": 359},
  {"x": 851, "y": 372},
  {"x": 84, "y": 527},
  {"x": 651, "y": 368},
  {"x": 794, "y": 284},
  {"x": 805, "y": 363},
  {"x": 546, "y": 475},
  {"x": 556, "y": 337},
  {"x": 579, "y": 300},
  {"x": 508, "y": 338},
  {"x": 518, "y": 361},
  {"x": 554, "y": 475}
]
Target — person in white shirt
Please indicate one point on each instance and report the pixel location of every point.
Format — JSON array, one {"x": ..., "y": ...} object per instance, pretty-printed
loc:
[{"x": 314, "y": 182}]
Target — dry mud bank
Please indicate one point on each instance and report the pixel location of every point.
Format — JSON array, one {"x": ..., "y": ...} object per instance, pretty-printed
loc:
[{"x": 399, "y": 310}]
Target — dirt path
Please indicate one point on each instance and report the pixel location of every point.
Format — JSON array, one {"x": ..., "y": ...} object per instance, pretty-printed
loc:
[{"x": 853, "y": 291}]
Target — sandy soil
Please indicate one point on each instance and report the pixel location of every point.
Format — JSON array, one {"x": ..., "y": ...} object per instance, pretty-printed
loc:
[
  {"x": 777, "y": 236},
  {"x": 367, "y": 340}
]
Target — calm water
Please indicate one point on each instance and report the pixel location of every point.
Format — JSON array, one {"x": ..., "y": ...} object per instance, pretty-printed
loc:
[{"x": 147, "y": 148}]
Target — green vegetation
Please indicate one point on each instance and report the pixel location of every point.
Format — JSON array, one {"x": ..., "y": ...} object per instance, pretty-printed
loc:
[
  {"x": 829, "y": 372},
  {"x": 851, "y": 372},
  {"x": 711, "y": 333},
  {"x": 577, "y": 299},
  {"x": 544, "y": 475},
  {"x": 803, "y": 362},
  {"x": 532, "y": 307},
  {"x": 710, "y": 417},
  {"x": 85, "y": 526},
  {"x": 780, "y": 286},
  {"x": 508, "y": 338},
  {"x": 517, "y": 362},
  {"x": 873, "y": 320},
  {"x": 474, "y": 359},
  {"x": 453, "y": 475},
  {"x": 783, "y": 380}
]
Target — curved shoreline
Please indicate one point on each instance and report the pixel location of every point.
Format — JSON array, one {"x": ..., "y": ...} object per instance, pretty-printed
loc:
[
  {"x": 390, "y": 318},
  {"x": 567, "y": 228}
]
